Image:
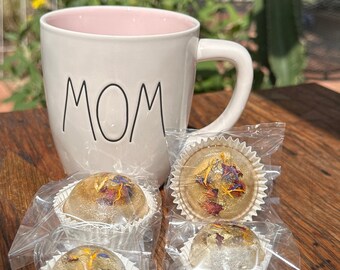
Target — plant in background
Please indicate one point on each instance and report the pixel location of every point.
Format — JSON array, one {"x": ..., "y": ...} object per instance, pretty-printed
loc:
[
  {"x": 280, "y": 55},
  {"x": 11, "y": 15},
  {"x": 37, "y": 4},
  {"x": 276, "y": 50},
  {"x": 24, "y": 63}
]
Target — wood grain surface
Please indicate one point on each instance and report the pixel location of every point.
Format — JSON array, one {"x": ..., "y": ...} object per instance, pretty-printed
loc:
[{"x": 308, "y": 186}]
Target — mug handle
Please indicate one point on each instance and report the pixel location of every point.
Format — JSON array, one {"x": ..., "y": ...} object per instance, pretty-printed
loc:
[{"x": 212, "y": 49}]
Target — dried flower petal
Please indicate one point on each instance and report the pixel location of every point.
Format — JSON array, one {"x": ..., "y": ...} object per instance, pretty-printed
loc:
[
  {"x": 103, "y": 255},
  {"x": 127, "y": 192},
  {"x": 199, "y": 179},
  {"x": 212, "y": 207},
  {"x": 72, "y": 258},
  {"x": 230, "y": 173},
  {"x": 212, "y": 193},
  {"x": 219, "y": 239},
  {"x": 120, "y": 179}
]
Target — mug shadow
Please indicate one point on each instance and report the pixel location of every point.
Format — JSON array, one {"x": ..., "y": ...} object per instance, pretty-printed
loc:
[{"x": 310, "y": 102}]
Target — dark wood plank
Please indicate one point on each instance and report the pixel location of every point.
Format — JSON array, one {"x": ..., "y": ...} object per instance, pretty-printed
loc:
[{"x": 28, "y": 160}]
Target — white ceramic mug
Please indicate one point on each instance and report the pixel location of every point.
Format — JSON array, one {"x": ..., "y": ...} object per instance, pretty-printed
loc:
[{"x": 117, "y": 77}]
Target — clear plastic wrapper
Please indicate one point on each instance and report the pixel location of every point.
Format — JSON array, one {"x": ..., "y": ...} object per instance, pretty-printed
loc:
[
  {"x": 224, "y": 176},
  {"x": 63, "y": 249},
  {"x": 247, "y": 245},
  {"x": 123, "y": 210},
  {"x": 218, "y": 194}
]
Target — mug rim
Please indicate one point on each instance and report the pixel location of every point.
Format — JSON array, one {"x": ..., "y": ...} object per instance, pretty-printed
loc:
[{"x": 47, "y": 26}]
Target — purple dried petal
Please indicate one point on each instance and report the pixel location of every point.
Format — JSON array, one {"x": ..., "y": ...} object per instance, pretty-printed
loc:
[
  {"x": 230, "y": 173},
  {"x": 119, "y": 179},
  {"x": 127, "y": 192},
  {"x": 199, "y": 179},
  {"x": 219, "y": 239},
  {"x": 103, "y": 255},
  {"x": 235, "y": 186}
]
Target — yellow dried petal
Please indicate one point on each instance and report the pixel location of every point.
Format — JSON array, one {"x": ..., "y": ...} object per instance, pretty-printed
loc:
[{"x": 99, "y": 186}]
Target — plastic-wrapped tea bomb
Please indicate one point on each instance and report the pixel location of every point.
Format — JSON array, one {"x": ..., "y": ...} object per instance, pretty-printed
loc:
[
  {"x": 227, "y": 247},
  {"x": 108, "y": 206},
  {"x": 108, "y": 198},
  {"x": 218, "y": 179},
  {"x": 89, "y": 258}
]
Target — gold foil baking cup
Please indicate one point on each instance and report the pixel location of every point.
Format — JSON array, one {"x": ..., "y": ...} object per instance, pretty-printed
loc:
[{"x": 196, "y": 159}]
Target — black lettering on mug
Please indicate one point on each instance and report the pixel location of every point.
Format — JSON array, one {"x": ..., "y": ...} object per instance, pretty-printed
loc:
[
  {"x": 77, "y": 100},
  {"x": 143, "y": 90},
  {"x": 113, "y": 87}
]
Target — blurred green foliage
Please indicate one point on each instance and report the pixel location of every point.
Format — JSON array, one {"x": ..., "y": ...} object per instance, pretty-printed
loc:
[
  {"x": 279, "y": 31},
  {"x": 24, "y": 65},
  {"x": 271, "y": 34}
]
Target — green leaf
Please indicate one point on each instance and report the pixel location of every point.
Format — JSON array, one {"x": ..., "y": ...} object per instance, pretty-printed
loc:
[
  {"x": 11, "y": 36},
  {"x": 209, "y": 79},
  {"x": 232, "y": 13},
  {"x": 259, "y": 17},
  {"x": 26, "y": 105},
  {"x": 17, "y": 97},
  {"x": 286, "y": 53}
]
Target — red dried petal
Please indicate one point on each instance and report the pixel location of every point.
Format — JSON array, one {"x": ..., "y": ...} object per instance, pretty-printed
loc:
[
  {"x": 103, "y": 189},
  {"x": 212, "y": 193},
  {"x": 212, "y": 207},
  {"x": 72, "y": 258}
]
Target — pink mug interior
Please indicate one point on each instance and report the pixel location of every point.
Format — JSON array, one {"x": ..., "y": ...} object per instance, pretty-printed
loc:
[{"x": 119, "y": 21}]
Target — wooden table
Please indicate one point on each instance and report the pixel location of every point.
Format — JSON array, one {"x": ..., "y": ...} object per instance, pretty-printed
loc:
[{"x": 308, "y": 187}]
